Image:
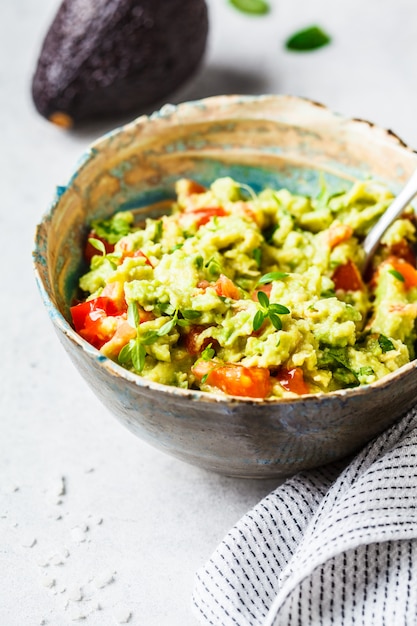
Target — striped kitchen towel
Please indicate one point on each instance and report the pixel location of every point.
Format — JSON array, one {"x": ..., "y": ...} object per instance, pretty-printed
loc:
[{"x": 332, "y": 546}]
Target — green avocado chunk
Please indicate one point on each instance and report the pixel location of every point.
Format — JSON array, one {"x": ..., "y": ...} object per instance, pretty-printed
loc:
[{"x": 102, "y": 58}]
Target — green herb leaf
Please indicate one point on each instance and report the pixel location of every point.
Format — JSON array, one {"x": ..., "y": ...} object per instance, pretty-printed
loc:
[
  {"x": 167, "y": 327},
  {"x": 133, "y": 315},
  {"x": 254, "y": 7},
  {"x": 269, "y": 278},
  {"x": 385, "y": 343},
  {"x": 138, "y": 356},
  {"x": 204, "y": 378},
  {"x": 307, "y": 39},
  {"x": 263, "y": 299},
  {"x": 280, "y": 309},
  {"x": 98, "y": 245},
  {"x": 125, "y": 354},
  {"x": 397, "y": 275},
  {"x": 190, "y": 314},
  {"x": 275, "y": 321},
  {"x": 258, "y": 320}
]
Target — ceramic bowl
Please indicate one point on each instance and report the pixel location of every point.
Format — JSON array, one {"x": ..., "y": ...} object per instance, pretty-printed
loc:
[{"x": 263, "y": 141}]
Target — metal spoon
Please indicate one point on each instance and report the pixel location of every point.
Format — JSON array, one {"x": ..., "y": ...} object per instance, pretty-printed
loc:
[{"x": 395, "y": 209}]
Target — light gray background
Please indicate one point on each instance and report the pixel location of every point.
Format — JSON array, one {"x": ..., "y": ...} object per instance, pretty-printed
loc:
[{"x": 161, "y": 519}]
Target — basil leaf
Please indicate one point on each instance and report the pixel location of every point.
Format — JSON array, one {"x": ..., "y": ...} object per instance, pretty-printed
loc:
[
  {"x": 254, "y": 7},
  {"x": 385, "y": 343},
  {"x": 258, "y": 320},
  {"x": 263, "y": 299},
  {"x": 268, "y": 278},
  {"x": 397, "y": 275},
  {"x": 307, "y": 39}
]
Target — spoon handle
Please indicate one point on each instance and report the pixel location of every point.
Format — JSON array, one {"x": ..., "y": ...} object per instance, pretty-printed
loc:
[{"x": 395, "y": 209}]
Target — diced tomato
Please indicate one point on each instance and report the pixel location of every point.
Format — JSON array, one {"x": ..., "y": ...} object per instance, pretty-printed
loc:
[
  {"x": 406, "y": 270},
  {"x": 115, "y": 291},
  {"x": 90, "y": 250},
  {"x": 265, "y": 288},
  {"x": 226, "y": 288},
  {"x": 338, "y": 233},
  {"x": 347, "y": 277},
  {"x": 236, "y": 380},
  {"x": 92, "y": 310},
  {"x": 293, "y": 380},
  {"x": 99, "y": 331}
]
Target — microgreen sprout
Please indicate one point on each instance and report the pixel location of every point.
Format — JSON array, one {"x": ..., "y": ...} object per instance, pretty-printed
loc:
[
  {"x": 98, "y": 245},
  {"x": 270, "y": 311},
  {"x": 208, "y": 353}
]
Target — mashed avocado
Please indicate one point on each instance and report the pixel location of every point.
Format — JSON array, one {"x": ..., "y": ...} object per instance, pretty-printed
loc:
[{"x": 253, "y": 295}]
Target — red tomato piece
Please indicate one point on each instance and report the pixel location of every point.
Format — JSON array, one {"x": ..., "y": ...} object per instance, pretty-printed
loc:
[
  {"x": 236, "y": 380},
  {"x": 347, "y": 277},
  {"x": 293, "y": 380},
  {"x": 226, "y": 288},
  {"x": 90, "y": 311},
  {"x": 90, "y": 250}
]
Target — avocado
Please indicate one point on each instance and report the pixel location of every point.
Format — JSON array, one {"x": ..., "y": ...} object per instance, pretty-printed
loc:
[{"x": 104, "y": 58}]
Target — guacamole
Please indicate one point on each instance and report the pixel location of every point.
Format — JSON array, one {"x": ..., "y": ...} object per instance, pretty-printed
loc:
[{"x": 255, "y": 295}]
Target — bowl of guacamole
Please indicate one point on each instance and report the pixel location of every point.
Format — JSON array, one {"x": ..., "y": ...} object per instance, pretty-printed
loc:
[{"x": 203, "y": 269}]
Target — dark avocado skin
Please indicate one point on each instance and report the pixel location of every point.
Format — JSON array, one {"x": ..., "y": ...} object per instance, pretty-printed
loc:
[{"x": 103, "y": 58}]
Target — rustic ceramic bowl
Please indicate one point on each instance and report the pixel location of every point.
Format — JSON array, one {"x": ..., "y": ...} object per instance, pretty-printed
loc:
[{"x": 263, "y": 141}]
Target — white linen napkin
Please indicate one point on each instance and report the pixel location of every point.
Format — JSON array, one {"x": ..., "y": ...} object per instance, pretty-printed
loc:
[{"x": 330, "y": 546}]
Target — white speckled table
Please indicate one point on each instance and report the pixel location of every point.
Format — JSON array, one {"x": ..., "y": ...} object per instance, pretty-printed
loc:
[{"x": 93, "y": 522}]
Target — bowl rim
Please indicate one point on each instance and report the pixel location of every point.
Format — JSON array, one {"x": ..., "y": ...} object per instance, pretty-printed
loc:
[{"x": 116, "y": 370}]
